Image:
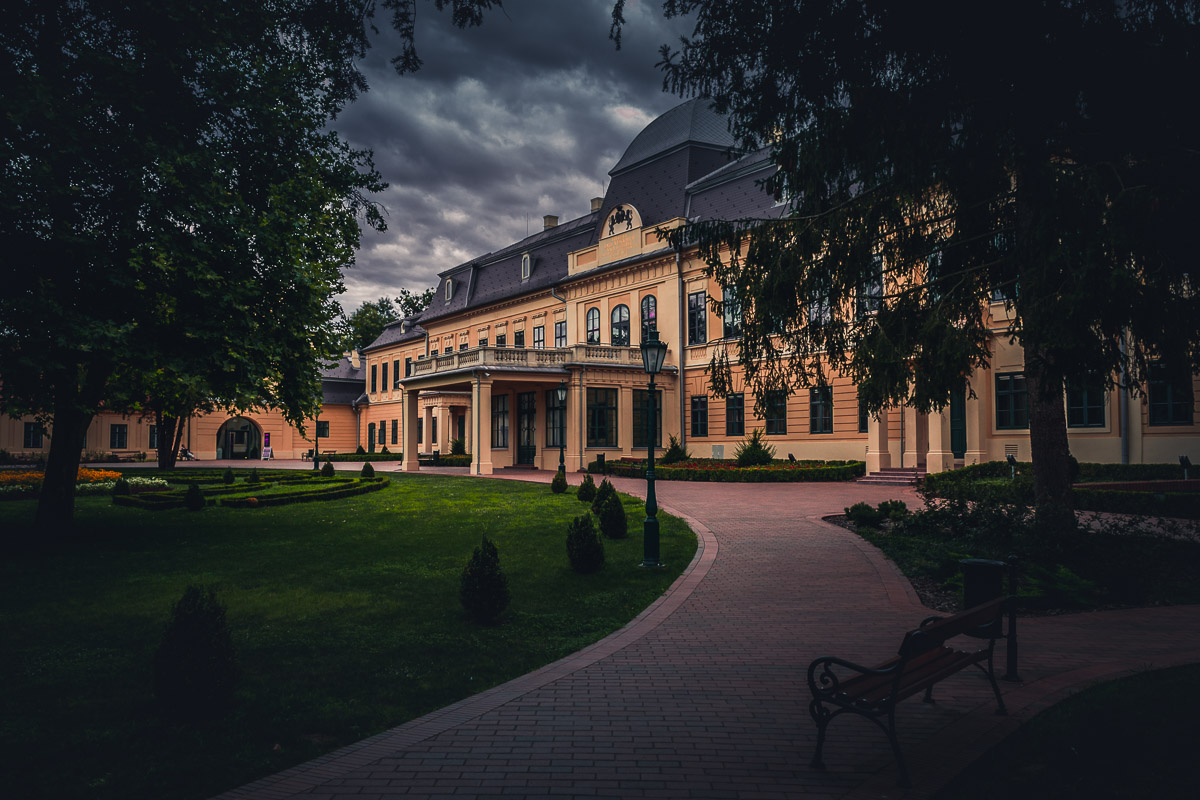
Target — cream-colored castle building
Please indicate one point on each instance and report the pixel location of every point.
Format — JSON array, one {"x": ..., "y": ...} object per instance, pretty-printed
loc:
[{"x": 570, "y": 305}]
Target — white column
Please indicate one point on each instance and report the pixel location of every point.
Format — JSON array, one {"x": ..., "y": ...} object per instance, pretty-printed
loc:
[
  {"x": 481, "y": 420},
  {"x": 410, "y": 405},
  {"x": 878, "y": 455},
  {"x": 939, "y": 458}
]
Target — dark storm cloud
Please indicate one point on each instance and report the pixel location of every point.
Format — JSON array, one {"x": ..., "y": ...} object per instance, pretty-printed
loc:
[{"x": 503, "y": 124}]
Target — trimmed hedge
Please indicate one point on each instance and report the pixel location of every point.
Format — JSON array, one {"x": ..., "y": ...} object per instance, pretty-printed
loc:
[
  {"x": 802, "y": 472},
  {"x": 397, "y": 456},
  {"x": 337, "y": 492},
  {"x": 1185, "y": 505}
]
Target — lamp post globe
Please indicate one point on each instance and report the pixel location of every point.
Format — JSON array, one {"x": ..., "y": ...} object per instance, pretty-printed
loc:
[{"x": 654, "y": 352}]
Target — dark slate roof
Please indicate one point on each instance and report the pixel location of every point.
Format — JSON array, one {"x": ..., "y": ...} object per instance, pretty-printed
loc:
[
  {"x": 343, "y": 370},
  {"x": 693, "y": 122},
  {"x": 496, "y": 276},
  {"x": 735, "y": 191},
  {"x": 341, "y": 392},
  {"x": 395, "y": 332}
]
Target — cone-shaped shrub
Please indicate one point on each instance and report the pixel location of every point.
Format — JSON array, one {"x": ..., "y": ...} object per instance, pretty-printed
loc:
[
  {"x": 327, "y": 470},
  {"x": 121, "y": 487},
  {"x": 559, "y": 484},
  {"x": 194, "y": 668},
  {"x": 754, "y": 450},
  {"x": 367, "y": 471},
  {"x": 613, "y": 522},
  {"x": 227, "y": 477},
  {"x": 584, "y": 548},
  {"x": 194, "y": 499},
  {"x": 383, "y": 451},
  {"x": 603, "y": 492},
  {"x": 254, "y": 476},
  {"x": 360, "y": 451},
  {"x": 483, "y": 588},
  {"x": 587, "y": 489},
  {"x": 676, "y": 452}
]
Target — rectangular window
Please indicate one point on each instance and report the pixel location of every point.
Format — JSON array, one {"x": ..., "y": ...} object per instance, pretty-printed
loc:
[
  {"x": 820, "y": 409},
  {"x": 554, "y": 419},
  {"x": 641, "y": 413},
  {"x": 601, "y": 417},
  {"x": 33, "y": 436},
  {"x": 118, "y": 436},
  {"x": 483, "y": 341},
  {"x": 733, "y": 314},
  {"x": 870, "y": 292},
  {"x": 463, "y": 345},
  {"x": 863, "y": 416},
  {"x": 560, "y": 334},
  {"x": 383, "y": 376},
  {"x": 819, "y": 311},
  {"x": 433, "y": 431},
  {"x": 1085, "y": 404},
  {"x": 1170, "y": 398},
  {"x": 699, "y": 416},
  {"x": 433, "y": 353},
  {"x": 395, "y": 431},
  {"x": 420, "y": 430},
  {"x": 396, "y": 374},
  {"x": 500, "y": 421},
  {"x": 735, "y": 415},
  {"x": 322, "y": 429},
  {"x": 374, "y": 378},
  {"x": 153, "y": 439},
  {"x": 518, "y": 338},
  {"x": 539, "y": 337},
  {"x": 383, "y": 431},
  {"x": 775, "y": 413},
  {"x": 407, "y": 367},
  {"x": 1012, "y": 403},
  {"x": 501, "y": 340},
  {"x": 697, "y": 318}
]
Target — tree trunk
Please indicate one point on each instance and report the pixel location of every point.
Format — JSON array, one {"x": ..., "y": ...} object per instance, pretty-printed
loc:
[
  {"x": 168, "y": 446},
  {"x": 1050, "y": 451},
  {"x": 56, "y": 503}
]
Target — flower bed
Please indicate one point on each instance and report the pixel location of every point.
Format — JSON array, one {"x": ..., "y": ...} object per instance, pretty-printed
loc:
[
  {"x": 727, "y": 470},
  {"x": 17, "y": 484}
]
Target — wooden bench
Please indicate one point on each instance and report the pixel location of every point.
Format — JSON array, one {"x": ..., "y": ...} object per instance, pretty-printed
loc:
[
  {"x": 839, "y": 686},
  {"x": 127, "y": 455}
]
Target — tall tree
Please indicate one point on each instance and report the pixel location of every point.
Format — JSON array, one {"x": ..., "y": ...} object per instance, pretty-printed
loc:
[
  {"x": 173, "y": 210},
  {"x": 1037, "y": 149},
  {"x": 412, "y": 303},
  {"x": 366, "y": 323}
]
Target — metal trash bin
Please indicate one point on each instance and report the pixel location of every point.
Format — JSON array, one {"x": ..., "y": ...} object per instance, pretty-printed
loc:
[{"x": 983, "y": 580}]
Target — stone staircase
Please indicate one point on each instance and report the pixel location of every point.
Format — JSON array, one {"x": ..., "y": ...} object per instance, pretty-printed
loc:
[{"x": 895, "y": 476}]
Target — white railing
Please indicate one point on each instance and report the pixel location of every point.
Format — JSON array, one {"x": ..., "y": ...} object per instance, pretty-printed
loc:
[{"x": 529, "y": 357}]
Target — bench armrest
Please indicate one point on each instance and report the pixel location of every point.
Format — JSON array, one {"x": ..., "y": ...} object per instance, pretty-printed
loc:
[{"x": 820, "y": 672}]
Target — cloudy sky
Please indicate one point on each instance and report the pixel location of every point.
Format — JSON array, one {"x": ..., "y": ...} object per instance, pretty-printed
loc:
[{"x": 503, "y": 124}]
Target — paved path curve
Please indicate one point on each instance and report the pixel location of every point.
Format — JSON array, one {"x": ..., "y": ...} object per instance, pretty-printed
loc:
[{"x": 703, "y": 695}]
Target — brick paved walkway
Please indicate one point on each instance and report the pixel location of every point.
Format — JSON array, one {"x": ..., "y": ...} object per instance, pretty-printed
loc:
[{"x": 704, "y": 695}]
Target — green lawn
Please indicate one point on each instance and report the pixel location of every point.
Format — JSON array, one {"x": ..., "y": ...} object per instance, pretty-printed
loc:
[{"x": 345, "y": 616}]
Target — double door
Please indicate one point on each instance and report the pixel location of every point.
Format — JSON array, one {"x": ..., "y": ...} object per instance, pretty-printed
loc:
[{"x": 526, "y": 427}]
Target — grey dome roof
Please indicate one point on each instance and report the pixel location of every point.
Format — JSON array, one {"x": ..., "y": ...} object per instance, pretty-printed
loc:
[{"x": 692, "y": 122}]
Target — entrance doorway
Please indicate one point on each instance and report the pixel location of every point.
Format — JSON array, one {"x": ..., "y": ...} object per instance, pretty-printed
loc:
[
  {"x": 526, "y": 427},
  {"x": 239, "y": 438}
]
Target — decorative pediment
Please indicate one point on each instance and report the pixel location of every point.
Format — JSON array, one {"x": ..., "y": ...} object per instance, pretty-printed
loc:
[{"x": 624, "y": 217}]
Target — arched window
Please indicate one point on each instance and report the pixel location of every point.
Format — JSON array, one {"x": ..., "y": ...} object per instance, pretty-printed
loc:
[
  {"x": 593, "y": 326},
  {"x": 620, "y": 326},
  {"x": 649, "y": 315}
]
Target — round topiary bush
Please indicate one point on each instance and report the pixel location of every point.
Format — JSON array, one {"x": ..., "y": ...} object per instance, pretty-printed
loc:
[
  {"x": 227, "y": 476},
  {"x": 327, "y": 470},
  {"x": 194, "y": 667},
  {"x": 603, "y": 492},
  {"x": 483, "y": 588},
  {"x": 194, "y": 499},
  {"x": 587, "y": 489},
  {"x": 559, "y": 484},
  {"x": 121, "y": 488},
  {"x": 584, "y": 548},
  {"x": 367, "y": 470},
  {"x": 613, "y": 522}
]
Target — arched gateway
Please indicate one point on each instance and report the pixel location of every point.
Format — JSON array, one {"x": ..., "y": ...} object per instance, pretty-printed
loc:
[{"x": 239, "y": 438}]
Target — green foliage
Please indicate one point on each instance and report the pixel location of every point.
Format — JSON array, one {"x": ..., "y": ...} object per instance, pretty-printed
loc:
[
  {"x": 194, "y": 499},
  {"x": 194, "y": 667},
  {"x": 585, "y": 550},
  {"x": 360, "y": 451},
  {"x": 865, "y": 514},
  {"x": 716, "y": 471},
  {"x": 613, "y": 521},
  {"x": 893, "y": 509},
  {"x": 368, "y": 321},
  {"x": 604, "y": 491},
  {"x": 754, "y": 450},
  {"x": 227, "y": 476},
  {"x": 383, "y": 451},
  {"x": 253, "y": 476},
  {"x": 327, "y": 470},
  {"x": 558, "y": 484},
  {"x": 367, "y": 470},
  {"x": 676, "y": 452},
  {"x": 587, "y": 489},
  {"x": 458, "y": 447},
  {"x": 483, "y": 587},
  {"x": 121, "y": 488}
]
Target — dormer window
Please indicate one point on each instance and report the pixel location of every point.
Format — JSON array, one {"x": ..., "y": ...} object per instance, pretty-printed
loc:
[
  {"x": 526, "y": 266},
  {"x": 449, "y": 288}
]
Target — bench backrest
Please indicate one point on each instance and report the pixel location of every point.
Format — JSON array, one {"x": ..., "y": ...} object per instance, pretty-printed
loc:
[{"x": 936, "y": 632}]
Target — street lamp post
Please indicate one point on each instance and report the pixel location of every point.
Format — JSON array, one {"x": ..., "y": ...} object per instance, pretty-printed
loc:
[
  {"x": 317, "y": 441},
  {"x": 653, "y": 354},
  {"x": 561, "y": 392}
]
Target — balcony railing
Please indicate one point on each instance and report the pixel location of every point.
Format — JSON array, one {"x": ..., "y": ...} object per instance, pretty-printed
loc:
[{"x": 529, "y": 357}]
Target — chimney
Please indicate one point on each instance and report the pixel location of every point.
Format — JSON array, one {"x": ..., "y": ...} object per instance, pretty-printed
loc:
[
  {"x": 596, "y": 203},
  {"x": 355, "y": 360},
  {"x": 549, "y": 221}
]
